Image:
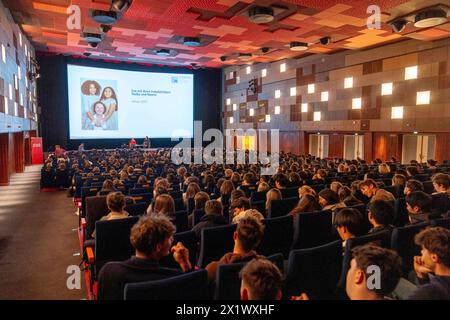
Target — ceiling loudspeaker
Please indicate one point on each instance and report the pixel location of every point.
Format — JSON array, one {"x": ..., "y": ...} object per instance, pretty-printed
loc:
[
  {"x": 298, "y": 46},
  {"x": 325, "y": 41},
  {"x": 259, "y": 14},
  {"x": 430, "y": 18},
  {"x": 163, "y": 52},
  {"x": 105, "y": 28},
  {"x": 191, "y": 41},
  {"x": 398, "y": 25},
  {"x": 121, "y": 5},
  {"x": 223, "y": 58},
  {"x": 244, "y": 56},
  {"x": 92, "y": 38},
  {"x": 104, "y": 17},
  {"x": 265, "y": 49}
]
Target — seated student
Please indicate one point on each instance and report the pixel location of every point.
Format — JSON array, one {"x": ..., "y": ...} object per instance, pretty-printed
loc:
[
  {"x": 441, "y": 183},
  {"x": 213, "y": 217},
  {"x": 239, "y": 205},
  {"x": 349, "y": 223},
  {"x": 433, "y": 266},
  {"x": 346, "y": 196},
  {"x": 307, "y": 203},
  {"x": 247, "y": 237},
  {"x": 359, "y": 275},
  {"x": 235, "y": 194},
  {"x": 263, "y": 187},
  {"x": 399, "y": 182},
  {"x": 152, "y": 239},
  {"x": 418, "y": 204},
  {"x": 272, "y": 194},
  {"x": 164, "y": 205},
  {"x": 370, "y": 189},
  {"x": 281, "y": 181},
  {"x": 107, "y": 187},
  {"x": 116, "y": 203},
  {"x": 336, "y": 186},
  {"x": 381, "y": 214},
  {"x": 412, "y": 185},
  {"x": 200, "y": 200},
  {"x": 253, "y": 213},
  {"x": 261, "y": 280},
  {"x": 329, "y": 200}
]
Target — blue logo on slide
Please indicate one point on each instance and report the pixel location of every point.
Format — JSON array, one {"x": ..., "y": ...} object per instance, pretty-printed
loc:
[{"x": 174, "y": 79}]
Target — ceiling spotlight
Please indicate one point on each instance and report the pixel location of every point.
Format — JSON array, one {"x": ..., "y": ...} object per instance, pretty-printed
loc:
[
  {"x": 398, "y": 25},
  {"x": 191, "y": 41},
  {"x": 105, "y": 28},
  {"x": 223, "y": 58},
  {"x": 104, "y": 17},
  {"x": 121, "y": 5},
  {"x": 259, "y": 14},
  {"x": 430, "y": 18},
  {"x": 244, "y": 56},
  {"x": 265, "y": 49},
  {"x": 298, "y": 46},
  {"x": 325, "y": 41},
  {"x": 163, "y": 52},
  {"x": 92, "y": 38}
]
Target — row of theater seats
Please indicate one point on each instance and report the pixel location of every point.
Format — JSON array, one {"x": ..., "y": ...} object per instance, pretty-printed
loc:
[{"x": 317, "y": 266}]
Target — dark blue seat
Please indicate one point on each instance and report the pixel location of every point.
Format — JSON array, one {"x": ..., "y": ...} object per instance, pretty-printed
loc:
[
  {"x": 188, "y": 286},
  {"x": 137, "y": 209},
  {"x": 439, "y": 203},
  {"x": 314, "y": 271},
  {"x": 278, "y": 208},
  {"x": 181, "y": 220},
  {"x": 228, "y": 282},
  {"x": 248, "y": 190},
  {"x": 189, "y": 240},
  {"x": 278, "y": 234},
  {"x": 142, "y": 197},
  {"x": 312, "y": 229},
  {"x": 179, "y": 204},
  {"x": 443, "y": 222},
  {"x": 214, "y": 243},
  {"x": 401, "y": 216},
  {"x": 258, "y": 196},
  {"x": 112, "y": 242},
  {"x": 260, "y": 206},
  {"x": 197, "y": 215},
  {"x": 135, "y": 191},
  {"x": 402, "y": 241},
  {"x": 176, "y": 194},
  {"x": 289, "y": 193},
  {"x": 428, "y": 187}
]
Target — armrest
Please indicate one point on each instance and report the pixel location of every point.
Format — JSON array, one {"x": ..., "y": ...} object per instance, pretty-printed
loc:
[
  {"x": 83, "y": 223},
  {"x": 90, "y": 255}
]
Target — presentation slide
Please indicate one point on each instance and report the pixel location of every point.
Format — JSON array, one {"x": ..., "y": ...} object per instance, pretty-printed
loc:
[{"x": 109, "y": 104}]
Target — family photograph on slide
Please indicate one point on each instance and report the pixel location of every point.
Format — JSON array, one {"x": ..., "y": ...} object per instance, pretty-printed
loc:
[{"x": 99, "y": 105}]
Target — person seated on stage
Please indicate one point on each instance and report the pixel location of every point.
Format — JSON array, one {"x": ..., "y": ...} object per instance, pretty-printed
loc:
[
  {"x": 59, "y": 152},
  {"x": 81, "y": 148},
  {"x": 146, "y": 143},
  {"x": 132, "y": 143}
]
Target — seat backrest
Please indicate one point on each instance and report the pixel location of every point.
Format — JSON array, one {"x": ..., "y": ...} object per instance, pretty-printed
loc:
[
  {"x": 443, "y": 222},
  {"x": 278, "y": 208},
  {"x": 137, "y": 209},
  {"x": 312, "y": 229},
  {"x": 278, "y": 234},
  {"x": 181, "y": 220},
  {"x": 134, "y": 191},
  {"x": 401, "y": 216},
  {"x": 214, "y": 243},
  {"x": 381, "y": 239},
  {"x": 402, "y": 241},
  {"x": 176, "y": 194},
  {"x": 260, "y": 206},
  {"x": 189, "y": 240},
  {"x": 179, "y": 204},
  {"x": 428, "y": 187},
  {"x": 112, "y": 241},
  {"x": 314, "y": 271},
  {"x": 228, "y": 283},
  {"x": 142, "y": 197},
  {"x": 258, "y": 196},
  {"x": 96, "y": 208},
  {"x": 188, "y": 286},
  {"x": 87, "y": 192},
  {"x": 248, "y": 190},
  {"x": 289, "y": 193},
  {"x": 439, "y": 203},
  {"x": 197, "y": 216}
]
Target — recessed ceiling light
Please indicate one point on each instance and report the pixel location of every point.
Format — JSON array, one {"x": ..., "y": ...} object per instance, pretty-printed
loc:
[
  {"x": 430, "y": 18},
  {"x": 298, "y": 46},
  {"x": 163, "y": 52},
  {"x": 191, "y": 41},
  {"x": 258, "y": 14}
]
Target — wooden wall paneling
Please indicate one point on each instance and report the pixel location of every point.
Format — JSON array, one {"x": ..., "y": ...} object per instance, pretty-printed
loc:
[
  {"x": 368, "y": 149},
  {"x": 289, "y": 142},
  {"x": 19, "y": 152},
  {"x": 303, "y": 139},
  {"x": 336, "y": 146},
  {"x": 442, "y": 151},
  {"x": 11, "y": 157},
  {"x": 4, "y": 159}
]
